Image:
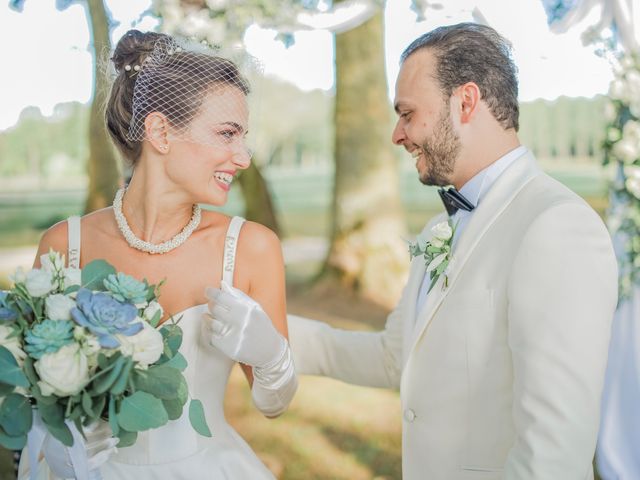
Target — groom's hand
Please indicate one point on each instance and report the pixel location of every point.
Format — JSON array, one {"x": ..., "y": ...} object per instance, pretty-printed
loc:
[{"x": 239, "y": 327}]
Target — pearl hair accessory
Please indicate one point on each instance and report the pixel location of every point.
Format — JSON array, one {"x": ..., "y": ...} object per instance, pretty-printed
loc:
[{"x": 148, "y": 247}]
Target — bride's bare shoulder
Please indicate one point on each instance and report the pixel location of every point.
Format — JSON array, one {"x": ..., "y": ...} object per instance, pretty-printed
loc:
[{"x": 257, "y": 240}]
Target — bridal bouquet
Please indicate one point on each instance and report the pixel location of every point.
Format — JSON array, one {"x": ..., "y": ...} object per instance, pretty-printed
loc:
[{"x": 82, "y": 345}]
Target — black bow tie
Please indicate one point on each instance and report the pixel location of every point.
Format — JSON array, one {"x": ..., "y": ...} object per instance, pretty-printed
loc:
[{"x": 453, "y": 201}]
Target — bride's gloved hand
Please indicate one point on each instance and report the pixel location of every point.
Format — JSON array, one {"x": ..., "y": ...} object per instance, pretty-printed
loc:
[
  {"x": 239, "y": 327},
  {"x": 99, "y": 445}
]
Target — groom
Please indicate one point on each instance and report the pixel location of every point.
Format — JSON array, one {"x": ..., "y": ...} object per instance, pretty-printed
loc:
[{"x": 500, "y": 362}]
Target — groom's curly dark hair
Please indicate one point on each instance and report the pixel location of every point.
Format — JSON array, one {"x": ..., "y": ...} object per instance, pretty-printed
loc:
[{"x": 470, "y": 52}]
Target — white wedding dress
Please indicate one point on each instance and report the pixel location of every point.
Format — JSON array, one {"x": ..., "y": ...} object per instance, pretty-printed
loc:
[{"x": 176, "y": 451}]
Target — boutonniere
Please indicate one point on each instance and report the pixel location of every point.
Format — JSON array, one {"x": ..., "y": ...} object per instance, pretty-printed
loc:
[{"x": 436, "y": 251}]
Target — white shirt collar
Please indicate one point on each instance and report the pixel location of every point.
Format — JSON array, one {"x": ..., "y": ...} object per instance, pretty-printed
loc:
[{"x": 482, "y": 181}]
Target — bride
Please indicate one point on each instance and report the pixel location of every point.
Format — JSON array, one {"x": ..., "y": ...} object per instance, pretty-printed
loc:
[{"x": 179, "y": 116}]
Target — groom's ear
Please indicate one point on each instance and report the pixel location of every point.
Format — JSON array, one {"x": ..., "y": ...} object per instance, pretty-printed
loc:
[{"x": 468, "y": 96}]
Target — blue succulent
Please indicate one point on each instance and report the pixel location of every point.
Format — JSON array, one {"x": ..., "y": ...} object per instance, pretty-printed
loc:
[
  {"x": 48, "y": 337},
  {"x": 7, "y": 314},
  {"x": 126, "y": 288},
  {"x": 105, "y": 316}
]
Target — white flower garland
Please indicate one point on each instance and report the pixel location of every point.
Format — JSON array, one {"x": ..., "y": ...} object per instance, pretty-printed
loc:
[{"x": 622, "y": 147}]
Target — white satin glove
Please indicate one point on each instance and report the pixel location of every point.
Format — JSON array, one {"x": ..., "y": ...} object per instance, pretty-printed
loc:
[
  {"x": 99, "y": 446},
  {"x": 238, "y": 326},
  {"x": 241, "y": 329}
]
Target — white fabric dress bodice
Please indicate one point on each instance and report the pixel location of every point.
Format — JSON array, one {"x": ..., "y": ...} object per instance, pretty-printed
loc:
[{"x": 176, "y": 451}]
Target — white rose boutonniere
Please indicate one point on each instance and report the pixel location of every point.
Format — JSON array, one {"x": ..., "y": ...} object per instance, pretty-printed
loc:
[{"x": 436, "y": 251}]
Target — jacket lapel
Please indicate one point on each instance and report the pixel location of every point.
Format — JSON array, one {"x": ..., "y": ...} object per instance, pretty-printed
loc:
[{"x": 497, "y": 199}]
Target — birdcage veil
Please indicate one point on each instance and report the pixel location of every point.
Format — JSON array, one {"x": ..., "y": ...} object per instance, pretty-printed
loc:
[{"x": 201, "y": 90}]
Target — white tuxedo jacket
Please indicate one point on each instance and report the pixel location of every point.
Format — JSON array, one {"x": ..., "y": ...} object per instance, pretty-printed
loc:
[{"x": 501, "y": 373}]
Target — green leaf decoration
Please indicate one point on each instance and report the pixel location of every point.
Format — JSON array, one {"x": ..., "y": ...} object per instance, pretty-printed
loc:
[
  {"x": 196, "y": 417},
  {"x": 156, "y": 319},
  {"x": 12, "y": 443},
  {"x": 87, "y": 403},
  {"x": 177, "y": 361},
  {"x": 98, "y": 405},
  {"x": 103, "y": 361},
  {"x": 126, "y": 438},
  {"x": 94, "y": 273},
  {"x": 142, "y": 411},
  {"x": 174, "y": 408},
  {"x": 61, "y": 433},
  {"x": 172, "y": 335},
  {"x": 29, "y": 370},
  {"x": 161, "y": 381},
  {"x": 10, "y": 372},
  {"x": 15, "y": 415},
  {"x": 107, "y": 378},
  {"x": 52, "y": 414},
  {"x": 5, "y": 389},
  {"x": 183, "y": 390},
  {"x": 120, "y": 384},
  {"x": 113, "y": 417},
  {"x": 71, "y": 289}
]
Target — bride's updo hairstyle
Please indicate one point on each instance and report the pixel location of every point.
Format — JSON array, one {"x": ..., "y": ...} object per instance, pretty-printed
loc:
[{"x": 157, "y": 73}]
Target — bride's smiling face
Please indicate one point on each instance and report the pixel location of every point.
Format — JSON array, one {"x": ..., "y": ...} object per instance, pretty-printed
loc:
[{"x": 204, "y": 162}]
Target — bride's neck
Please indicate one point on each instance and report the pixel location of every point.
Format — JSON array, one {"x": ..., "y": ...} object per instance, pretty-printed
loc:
[{"x": 155, "y": 209}]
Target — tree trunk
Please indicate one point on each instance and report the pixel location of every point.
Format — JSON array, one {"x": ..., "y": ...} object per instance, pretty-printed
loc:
[
  {"x": 367, "y": 253},
  {"x": 103, "y": 166},
  {"x": 257, "y": 198}
]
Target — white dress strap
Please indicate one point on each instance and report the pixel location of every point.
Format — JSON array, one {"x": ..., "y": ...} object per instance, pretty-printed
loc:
[
  {"x": 73, "y": 254},
  {"x": 230, "y": 246}
]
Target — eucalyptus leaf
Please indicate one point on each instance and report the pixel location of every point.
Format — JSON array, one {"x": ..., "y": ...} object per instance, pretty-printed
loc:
[
  {"x": 5, "y": 389},
  {"x": 107, "y": 378},
  {"x": 29, "y": 370},
  {"x": 87, "y": 403},
  {"x": 12, "y": 443},
  {"x": 174, "y": 408},
  {"x": 197, "y": 419},
  {"x": 98, "y": 405},
  {"x": 156, "y": 319},
  {"x": 142, "y": 411},
  {"x": 120, "y": 384},
  {"x": 113, "y": 417},
  {"x": 10, "y": 372},
  {"x": 52, "y": 414},
  {"x": 161, "y": 381},
  {"x": 62, "y": 433},
  {"x": 126, "y": 438},
  {"x": 177, "y": 361},
  {"x": 94, "y": 274},
  {"x": 183, "y": 390},
  {"x": 15, "y": 415},
  {"x": 172, "y": 335},
  {"x": 71, "y": 289}
]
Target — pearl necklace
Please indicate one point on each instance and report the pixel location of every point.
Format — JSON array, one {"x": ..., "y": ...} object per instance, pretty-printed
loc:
[{"x": 149, "y": 247}]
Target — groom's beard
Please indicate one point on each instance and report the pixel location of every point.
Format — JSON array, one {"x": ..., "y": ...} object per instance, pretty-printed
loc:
[{"x": 440, "y": 152}]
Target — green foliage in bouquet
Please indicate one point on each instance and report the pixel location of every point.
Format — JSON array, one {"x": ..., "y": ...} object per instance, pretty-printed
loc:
[{"x": 83, "y": 346}]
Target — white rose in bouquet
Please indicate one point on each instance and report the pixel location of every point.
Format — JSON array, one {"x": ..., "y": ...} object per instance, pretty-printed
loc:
[
  {"x": 58, "y": 307},
  {"x": 64, "y": 372},
  {"x": 145, "y": 347},
  {"x": 39, "y": 282},
  {"x": 12, "y": 344}
]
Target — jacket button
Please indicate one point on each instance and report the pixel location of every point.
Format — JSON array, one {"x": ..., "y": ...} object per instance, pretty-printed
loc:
[{"x": 409, "y": 415}]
